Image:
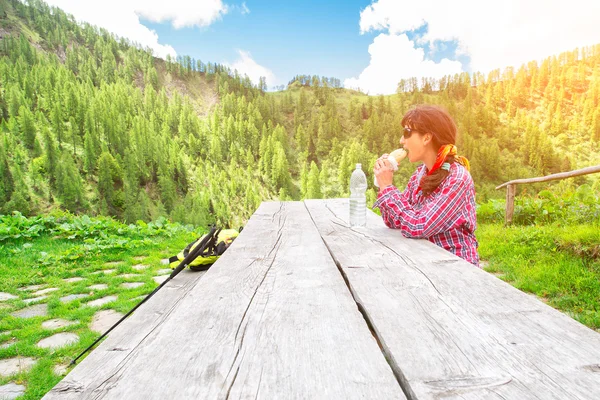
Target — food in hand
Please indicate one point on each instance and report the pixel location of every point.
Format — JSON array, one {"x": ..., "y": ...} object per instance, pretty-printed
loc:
[
  {"x": 398, "y": 155},
  {"x": 394, "y": 159}
]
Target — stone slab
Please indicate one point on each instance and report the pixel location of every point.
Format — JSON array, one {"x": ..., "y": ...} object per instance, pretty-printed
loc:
[
  {"x": 30, "y": 288},
  {"x": 58, "y": 340},
  {"x": 104, "y": 319},
  {"x": 160, "y": 279},
  {"x": 39, "y": 310},
  {"x": 163, "y": 271},
  {"x": 139, "y": 267},
  {"x": 15, "y": 365},
  {"x": 101, "y": 301},
  {"x": 72, "y": 297},
  {"x": 11, "y": 391},
  {"x": 7, "y": 296},
  {"x": 57, "y": 323},
  {"x": 6, "y": 345},
  {"x": 74, "y": 279},
  {"x": 61, "y": 369},
  {"x": 45, "y": 291},
  {"x": 113, "y": 263},
  {"x": 132, "y": 285},
  {"x": 35, "y": 299},
  {"x": 128, "y": 276},
  {"x": 100, "y": 286}
]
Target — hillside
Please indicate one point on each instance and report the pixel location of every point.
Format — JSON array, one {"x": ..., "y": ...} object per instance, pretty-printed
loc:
[{"x": 92, "y": 124}]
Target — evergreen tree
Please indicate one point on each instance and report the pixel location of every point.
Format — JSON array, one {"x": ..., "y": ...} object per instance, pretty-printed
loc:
[
  {"x": 28, "y": 129},
  {"x": 6, "y": 180},
  {"x": 51, "y": 156},
  {"x": 313, "y": 185},
  {"x": 69, "y": 185},
  {"x": 20, "y": 198}
]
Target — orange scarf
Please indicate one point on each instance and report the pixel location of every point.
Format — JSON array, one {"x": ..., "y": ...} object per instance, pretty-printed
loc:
[{"x": 445, "y": 151}]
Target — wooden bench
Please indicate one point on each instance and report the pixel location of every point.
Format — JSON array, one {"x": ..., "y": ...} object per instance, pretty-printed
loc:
[{"x": 302, "y": 306}]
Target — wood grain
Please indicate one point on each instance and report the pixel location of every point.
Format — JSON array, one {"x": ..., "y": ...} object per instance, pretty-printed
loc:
[
  {"x": 272, "y": 318},
  {"x": 451, "y": 330}
]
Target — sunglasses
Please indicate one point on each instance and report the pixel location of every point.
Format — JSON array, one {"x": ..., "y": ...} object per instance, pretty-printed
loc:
[{"x": 407, "y": 132}]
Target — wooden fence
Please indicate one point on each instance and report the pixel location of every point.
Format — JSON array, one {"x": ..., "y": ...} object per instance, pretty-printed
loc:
[{"x": 511, "y": 186}]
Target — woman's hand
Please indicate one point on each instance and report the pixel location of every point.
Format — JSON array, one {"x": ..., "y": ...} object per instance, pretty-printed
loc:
[{"x": 383, "y": 172}]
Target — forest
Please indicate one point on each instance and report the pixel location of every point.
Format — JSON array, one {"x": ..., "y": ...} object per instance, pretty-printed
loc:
[{"x": 94, "y": 124}]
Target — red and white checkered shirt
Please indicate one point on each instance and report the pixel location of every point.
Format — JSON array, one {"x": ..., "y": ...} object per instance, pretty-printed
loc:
[{"x": 446, "y": 217}]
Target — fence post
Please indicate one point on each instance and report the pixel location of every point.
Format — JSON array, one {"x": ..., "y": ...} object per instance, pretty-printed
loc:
[{"x": 510, "y": 203}]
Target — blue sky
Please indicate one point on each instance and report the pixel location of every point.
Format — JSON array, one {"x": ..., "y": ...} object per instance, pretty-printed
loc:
[
  {"x": 289, "y": 38},
  {"x": 367, "y": 44}
]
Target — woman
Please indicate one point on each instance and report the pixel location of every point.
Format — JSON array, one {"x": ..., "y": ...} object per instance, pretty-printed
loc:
[{"x": 439, "y": 201}]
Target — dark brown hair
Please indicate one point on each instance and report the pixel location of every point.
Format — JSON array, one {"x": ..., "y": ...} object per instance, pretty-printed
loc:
[{"x": 436, "y": 121}]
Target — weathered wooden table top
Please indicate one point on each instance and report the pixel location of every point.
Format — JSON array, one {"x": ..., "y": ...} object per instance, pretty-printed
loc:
[{"x": 302, "y": 306}]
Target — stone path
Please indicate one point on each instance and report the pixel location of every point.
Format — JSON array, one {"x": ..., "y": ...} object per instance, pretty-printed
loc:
[
  {"x": 101, "y": 321},
  {"x": 35, "y": 299},
  {"x": 6, "y": 345},
  {"x": 132, "y": 285},
  {"x": 160, "y": 279},
  {"x": 11, "y": 391},
  {"x": 32, "y": 287},
  {"x": 57, "y": 323},
  {"x": 101, "y": 301},
  {"x": 7, "y": 296},
  {"x": 44, "y": 291},
  {"x": 101, "y": 286},
  {"x": 60, "y": 369},
  {"x": 15, "y": 365},
  {"x": 113, "y": 263},
  {"x": 58, "y": 340},
  {"x": 104, "y": 319},
  {"x": 127, "y": 276},
  {"x": 39, "y": 310},
  {"x": 163, "y": 271},
  {"x": 74, "y": 279},
  {"x": 71, "y": 297}
]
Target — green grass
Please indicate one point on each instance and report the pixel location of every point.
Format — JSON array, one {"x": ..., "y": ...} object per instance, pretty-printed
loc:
[
  {"x": 557, "y": 263},
  {"x": 52, "y": 256}
]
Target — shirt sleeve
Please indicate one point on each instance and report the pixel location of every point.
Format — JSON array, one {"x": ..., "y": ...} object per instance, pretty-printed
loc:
[{"x": 440, "y": 211}]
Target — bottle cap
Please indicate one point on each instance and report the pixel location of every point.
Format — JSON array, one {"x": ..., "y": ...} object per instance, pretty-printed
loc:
[{"x": 358, "y": 166}]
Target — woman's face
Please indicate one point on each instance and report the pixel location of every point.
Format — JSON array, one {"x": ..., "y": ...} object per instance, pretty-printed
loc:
[{"x": 418, "y": 144}]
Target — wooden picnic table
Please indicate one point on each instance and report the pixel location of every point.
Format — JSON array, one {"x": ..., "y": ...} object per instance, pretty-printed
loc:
[{"x": 303, "y": 306}]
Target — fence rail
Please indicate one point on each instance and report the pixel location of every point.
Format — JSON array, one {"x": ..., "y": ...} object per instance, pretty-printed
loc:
[{"x": 511, "y": 186}]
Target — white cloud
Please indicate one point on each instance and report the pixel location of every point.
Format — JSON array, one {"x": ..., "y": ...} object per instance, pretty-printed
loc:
[
  {"x": 122, "y": 17},
  {"x": 494, "y": 34},
  {"x": 245, "y": 65},
  {"x": 394, "y": 57},
  {"x": 245, "y": 9}
]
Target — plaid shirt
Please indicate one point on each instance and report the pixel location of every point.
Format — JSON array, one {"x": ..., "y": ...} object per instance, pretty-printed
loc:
[{"x": 446, "y": 217}]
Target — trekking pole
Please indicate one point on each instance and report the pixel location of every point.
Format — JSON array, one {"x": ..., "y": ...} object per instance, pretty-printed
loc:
[{"x": 203, "y": 245}]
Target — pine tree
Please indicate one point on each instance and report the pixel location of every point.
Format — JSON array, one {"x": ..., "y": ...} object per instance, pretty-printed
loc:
[
  {"x": 51, "y": 156},
  {"x": 57, "y": 123},
  {"x": 313, "y": 185},
  {"x": 70, "y": 185},
  {"x": 27, "y": 124},
  {"x": 20, "y": 198},
  {"x": 6, "y": 180},
  {"x": 109, "y": 177}
]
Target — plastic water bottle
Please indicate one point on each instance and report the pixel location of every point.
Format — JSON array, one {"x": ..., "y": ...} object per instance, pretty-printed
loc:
[{"x": 358, "y": 200}]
